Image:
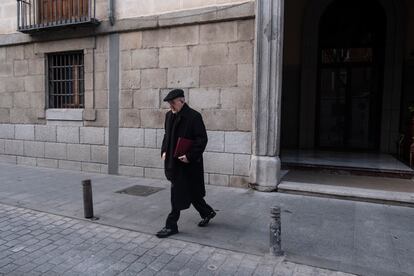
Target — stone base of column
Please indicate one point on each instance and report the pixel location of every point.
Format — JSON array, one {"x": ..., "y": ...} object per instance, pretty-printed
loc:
[{"x": 264, "y": 173}]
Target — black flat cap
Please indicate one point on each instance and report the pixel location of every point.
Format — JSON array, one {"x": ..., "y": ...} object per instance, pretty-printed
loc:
[{"x": 173, "y": 94}]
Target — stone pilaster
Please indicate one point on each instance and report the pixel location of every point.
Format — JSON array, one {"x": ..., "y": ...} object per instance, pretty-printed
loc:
[{"x": 265, "y": 161}]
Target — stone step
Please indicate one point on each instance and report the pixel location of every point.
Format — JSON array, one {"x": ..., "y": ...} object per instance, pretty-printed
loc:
[
  {"x": 363, "y": 171},
  {"x": 348, "y": 193}
]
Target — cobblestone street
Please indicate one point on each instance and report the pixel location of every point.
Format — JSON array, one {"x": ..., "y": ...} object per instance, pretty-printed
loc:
[{"x": 36, "y": 243}]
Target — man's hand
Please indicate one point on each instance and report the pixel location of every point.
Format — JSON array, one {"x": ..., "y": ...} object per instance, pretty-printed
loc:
[
  {"x": 183, "y": 159},
  {"x": 163, "y": 156}
]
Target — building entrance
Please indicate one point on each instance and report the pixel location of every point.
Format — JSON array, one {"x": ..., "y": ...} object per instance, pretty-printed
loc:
[{"x": 350, "y": 76}]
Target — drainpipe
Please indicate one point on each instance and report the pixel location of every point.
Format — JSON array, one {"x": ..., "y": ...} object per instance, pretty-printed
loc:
[{"x": 111, "y": 16}]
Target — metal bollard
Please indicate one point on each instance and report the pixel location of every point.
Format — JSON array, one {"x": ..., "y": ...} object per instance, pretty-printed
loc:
[
  {"x": 275, "y": 232},
  {"x": 87, "y": 198}
]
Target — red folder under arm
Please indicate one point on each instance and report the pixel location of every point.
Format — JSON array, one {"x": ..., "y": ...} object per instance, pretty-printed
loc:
[{"x": 183, "y": 146}]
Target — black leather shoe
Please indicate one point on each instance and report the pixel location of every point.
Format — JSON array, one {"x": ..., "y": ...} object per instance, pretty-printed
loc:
[
  {"x": 206, "y": 220},
  {"x": 166, "y": 232}
]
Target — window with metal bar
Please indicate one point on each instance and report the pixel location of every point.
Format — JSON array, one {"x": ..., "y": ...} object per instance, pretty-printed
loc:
[
  {"x": 36, "y": 15},
  {"x": 66, "y": 80}
]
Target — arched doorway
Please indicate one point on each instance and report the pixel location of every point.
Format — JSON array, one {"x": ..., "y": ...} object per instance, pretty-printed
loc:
[
  {"x": 317, "y": 34},
  {"x": 351, "y": 56}
]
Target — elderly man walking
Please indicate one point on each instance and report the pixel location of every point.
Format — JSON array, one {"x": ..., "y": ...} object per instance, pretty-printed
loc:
[{"x": 184, "y": 130}]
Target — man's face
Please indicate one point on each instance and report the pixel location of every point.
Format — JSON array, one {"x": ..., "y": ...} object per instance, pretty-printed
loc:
[{"x": 176, "y": 104}]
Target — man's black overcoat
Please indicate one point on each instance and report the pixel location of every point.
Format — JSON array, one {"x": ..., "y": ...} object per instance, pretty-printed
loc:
[{"x": 187, "y": 179}]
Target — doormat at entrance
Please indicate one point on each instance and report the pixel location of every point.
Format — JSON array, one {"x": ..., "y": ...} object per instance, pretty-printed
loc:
[{"x": 140, "y": 190}]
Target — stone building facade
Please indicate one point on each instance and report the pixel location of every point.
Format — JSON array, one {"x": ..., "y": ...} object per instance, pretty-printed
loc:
[
  {"x": 250, "y": 68},
  {"x": 206, "y": 49}
]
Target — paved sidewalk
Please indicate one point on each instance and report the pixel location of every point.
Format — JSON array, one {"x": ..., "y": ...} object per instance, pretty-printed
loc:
[
  {"x": 353, "y": 237},
  {"x": 35, "y": 243}
]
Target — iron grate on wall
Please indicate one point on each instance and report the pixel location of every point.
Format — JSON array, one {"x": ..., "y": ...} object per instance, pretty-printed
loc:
[
  {"x": 66, "y": 80},
  {"x": 140, "y": 190}
]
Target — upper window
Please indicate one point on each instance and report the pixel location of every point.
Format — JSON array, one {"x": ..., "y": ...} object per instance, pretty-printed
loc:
[
  {"x": 36, "y": 15},
  {"x": 66, "y": 80},
  {"x": 63, "y": 10}
]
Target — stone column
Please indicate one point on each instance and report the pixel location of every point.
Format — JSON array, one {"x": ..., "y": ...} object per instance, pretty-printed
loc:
[{"x": 265, "y": 161}]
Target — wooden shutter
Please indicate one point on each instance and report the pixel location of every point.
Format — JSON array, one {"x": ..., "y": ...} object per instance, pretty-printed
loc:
[{"x": 50, "y": 11}]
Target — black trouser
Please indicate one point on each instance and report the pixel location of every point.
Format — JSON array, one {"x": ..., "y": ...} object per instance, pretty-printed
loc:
[{"x": 199, "y": 204}]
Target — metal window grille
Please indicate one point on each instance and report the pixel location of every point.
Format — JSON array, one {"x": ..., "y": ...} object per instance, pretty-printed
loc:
[{"x": 66, "y": 80}]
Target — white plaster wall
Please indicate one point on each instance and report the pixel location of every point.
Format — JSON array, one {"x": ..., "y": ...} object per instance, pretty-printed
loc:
[
  {"x": 123, "y": 9},
  {"x": 8, "y": 16},
  {"x": 133, "y": 8}
]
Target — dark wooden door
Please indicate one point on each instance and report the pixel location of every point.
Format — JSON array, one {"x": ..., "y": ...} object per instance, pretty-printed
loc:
[
  {"x": 349, "y": 106},
  {"x": 350, "y": 72}
]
